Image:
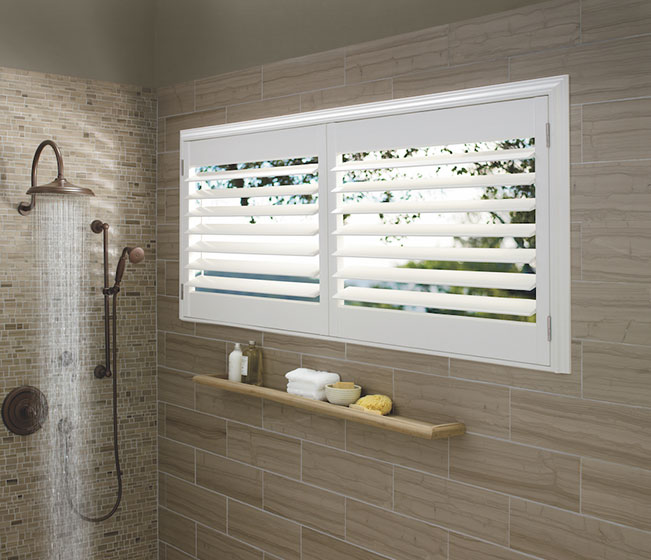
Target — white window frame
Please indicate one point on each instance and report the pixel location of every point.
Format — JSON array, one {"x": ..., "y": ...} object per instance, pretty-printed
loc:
[{"x": 554, "y": 89}]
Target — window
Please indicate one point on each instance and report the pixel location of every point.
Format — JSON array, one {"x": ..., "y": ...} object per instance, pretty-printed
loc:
[{"x": 438, "y": 224}]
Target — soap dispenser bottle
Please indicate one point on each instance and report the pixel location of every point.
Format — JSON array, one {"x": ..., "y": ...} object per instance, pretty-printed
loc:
[
  {"x": 253, "y": 355},
  {"x": 235, "y": 364}
]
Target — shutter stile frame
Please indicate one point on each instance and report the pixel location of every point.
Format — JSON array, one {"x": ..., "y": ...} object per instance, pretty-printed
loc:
[{"x": 554, "y": 94}]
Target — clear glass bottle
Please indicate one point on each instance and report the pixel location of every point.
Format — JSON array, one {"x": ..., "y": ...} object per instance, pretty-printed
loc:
[{"x": 253, "y": 354}]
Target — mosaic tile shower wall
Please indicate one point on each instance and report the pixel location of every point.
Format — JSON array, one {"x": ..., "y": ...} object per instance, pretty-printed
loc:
[
  {"x": 107, "y": 133},
  {"x": 554, "y": 466}
]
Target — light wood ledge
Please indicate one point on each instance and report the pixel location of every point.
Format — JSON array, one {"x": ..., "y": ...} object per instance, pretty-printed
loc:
[{"x": 394, "y": 423}]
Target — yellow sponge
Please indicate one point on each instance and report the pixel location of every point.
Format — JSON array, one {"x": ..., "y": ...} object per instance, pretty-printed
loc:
[{"x": 381, "y": 403}]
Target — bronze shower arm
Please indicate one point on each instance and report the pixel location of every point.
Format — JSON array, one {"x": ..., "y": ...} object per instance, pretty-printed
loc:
[{"x": 25, "y": 208}]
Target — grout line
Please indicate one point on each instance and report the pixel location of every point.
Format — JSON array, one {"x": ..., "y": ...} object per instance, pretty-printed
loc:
[
  {"x": 581, "y": 485},
  {"x": 508, "y": 525}
]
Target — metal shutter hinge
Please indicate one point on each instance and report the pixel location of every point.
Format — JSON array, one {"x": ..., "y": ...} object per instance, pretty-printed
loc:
[
  {"x": 183, "y": 162},
  {"x": 548, "y": 134},
  {"x": 182, "y": 291},
  {"x": 549, "y": 328}
]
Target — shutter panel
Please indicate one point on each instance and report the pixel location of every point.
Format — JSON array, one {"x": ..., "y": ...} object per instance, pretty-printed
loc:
[
  {"x": 435, "y": 226},
  {"x": 251, "y": 237}
]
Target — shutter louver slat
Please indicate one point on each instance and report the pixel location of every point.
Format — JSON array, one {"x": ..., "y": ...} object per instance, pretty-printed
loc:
[
  {"x": 461, "y": 230},
  {"x": 271, "y": 171},
  {"x": 469, "y": 278},
  {"x": 256, "y": 192},
  {"x": 452, "y": 159},
  {"x": 453, "y": 302},
  {"x": 295, "y": 249},
  {"x": 255, "y": 229},
  {"x": 417, "y": 206},
  {"x": 255, "y": 267},
  {"x": 442, "y": 254},
  {"x": 459, "y": 181},
  {"x": 291, "y": 289},
  {"x": 262, "y": 210}
]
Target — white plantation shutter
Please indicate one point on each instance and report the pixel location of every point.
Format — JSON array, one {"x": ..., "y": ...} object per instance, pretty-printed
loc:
[
  {"x": 438, "y": 224},
  {"x": 438, "y": 221},
  {"x": 251, "y": 224}
]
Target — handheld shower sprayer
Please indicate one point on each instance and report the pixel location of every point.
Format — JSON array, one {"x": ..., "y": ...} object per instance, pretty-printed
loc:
[{"x": 134, "y": 255}]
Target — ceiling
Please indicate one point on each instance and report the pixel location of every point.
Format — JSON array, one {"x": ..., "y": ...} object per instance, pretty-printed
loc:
[{"x": 160, "y": 42}]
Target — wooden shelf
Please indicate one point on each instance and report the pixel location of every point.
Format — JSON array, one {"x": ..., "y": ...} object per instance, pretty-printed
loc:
[{"x": 406, "y": 426}]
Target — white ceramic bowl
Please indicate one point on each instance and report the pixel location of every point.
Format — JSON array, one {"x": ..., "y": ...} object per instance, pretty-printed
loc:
[{"x": 342, "y": 396}]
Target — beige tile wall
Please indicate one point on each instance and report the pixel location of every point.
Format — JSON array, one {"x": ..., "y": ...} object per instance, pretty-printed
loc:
[
  {"x": 107, "y": 133},
  {"x": 554, "y": 467}
]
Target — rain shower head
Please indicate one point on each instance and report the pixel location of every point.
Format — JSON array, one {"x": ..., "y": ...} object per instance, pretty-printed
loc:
[{"x": 60, "y": 185}]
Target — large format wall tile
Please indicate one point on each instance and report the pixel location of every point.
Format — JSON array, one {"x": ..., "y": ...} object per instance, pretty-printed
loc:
[
  {"x": 264, "y": 530},
  {"x": 422, "y": 454},
  {"x": 195, "y": 355},
  {"x": 263, "y": 109},
  {"x": 453, "y": 505},
  {"x": 466, "y": 548},
  {"x": 569, "y": 384},
  {"x": 348, "y": 474},
  {"x": 451, "y": 79},
  {"x": 607, "y": 19},
  {"x": 315, "y": 71},
  {"x": 305, "y": 504},
  {"x": 175, "y": 99},
  {"x": 212, "y": 545},
  {"x": 298, "y": 423},
  {"x": 483, "y": 408},
  {"x": 410, "y": 52},
  {"x": 176, "y": 458},
  {"x": 194, "y": 502},
  {"x": 235, "y": 87},
  {"x": 230, "y": 478},
  {"x": 616, "y": 373},
  {"x": 195, "y": 428},
  {"x": 232, "y": 406},
  {"x": 174, "y": 125},
  {"x": 617, "y": 493},
  {"x": 612, "y": 312},
  {"x": 175, "y": 387},
  {"x": 615, "y": 131},
  {"x": 514, "y": 469},
  {"x": 176, "y": 530},
  {"x": 398, "y": 536},
  {"x": 530, "y": 28},
  {"x": 605, "y": 431},
  {"x": 616, "y": 252},
  {"x": 397, "y": 359},
  {"x": 316, "y": 546},
  {"x": 264, "y": 449},
  {"x": 554, "y": 534},
  {"x": 354, "y": 94},
  {"x": 611, "y": 192},
  {"x": 598, "y": 72}
]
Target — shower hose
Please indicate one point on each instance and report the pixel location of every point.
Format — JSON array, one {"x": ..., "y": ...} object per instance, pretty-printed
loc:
[{"x": 116, "y": 451}]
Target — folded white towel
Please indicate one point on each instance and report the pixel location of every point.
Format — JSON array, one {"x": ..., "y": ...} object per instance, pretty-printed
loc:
[
  {"x": 316, "y": 395},
  {"x": 303, "y": 386},
  {"x": 315, "y": 378}
]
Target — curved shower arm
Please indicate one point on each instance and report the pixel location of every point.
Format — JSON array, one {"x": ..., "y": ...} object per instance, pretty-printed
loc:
[{"x": 24, "y": 207}]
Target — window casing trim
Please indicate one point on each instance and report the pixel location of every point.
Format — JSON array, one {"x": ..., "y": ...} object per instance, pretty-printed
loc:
[{"x": 556, "y": 89}]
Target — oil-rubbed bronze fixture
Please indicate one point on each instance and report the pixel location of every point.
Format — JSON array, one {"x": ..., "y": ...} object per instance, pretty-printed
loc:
[
  {"x": 135, "y": 255},
  {"x": 24, "y": 410},
  {"x": 60, "y": 185}
]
